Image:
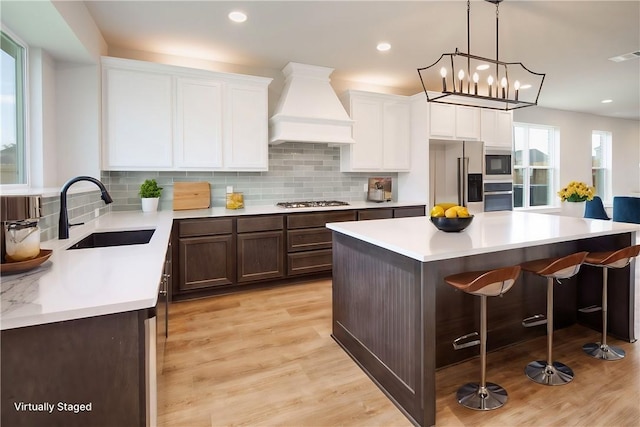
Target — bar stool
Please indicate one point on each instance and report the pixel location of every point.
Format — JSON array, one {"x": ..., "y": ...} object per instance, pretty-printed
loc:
[
  {"x": 610, "y": 259},
  {"x": 551, "y": 372},
  {"x": 483, "y": 396}
]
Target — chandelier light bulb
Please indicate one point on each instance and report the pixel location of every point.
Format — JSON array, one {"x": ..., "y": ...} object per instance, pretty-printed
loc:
[
  {"x": 490, "y": 84},
  {"x": 476, "y": 78},
  {"x": 503, "y": 83},
  {"x": 443, "y": 73},
  {"x": 461, "y": 77},
  {"x": 516, "y": 86}
]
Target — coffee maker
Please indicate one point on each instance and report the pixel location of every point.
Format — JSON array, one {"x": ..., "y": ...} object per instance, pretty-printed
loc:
[{"x": 379, "y": 190}]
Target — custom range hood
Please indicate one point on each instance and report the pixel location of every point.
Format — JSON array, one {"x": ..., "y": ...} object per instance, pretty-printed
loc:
[{"x": 309, "y": 110}]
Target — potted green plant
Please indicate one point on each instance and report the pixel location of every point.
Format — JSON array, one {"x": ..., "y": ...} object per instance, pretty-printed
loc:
[{"x": 150, "y": 195}]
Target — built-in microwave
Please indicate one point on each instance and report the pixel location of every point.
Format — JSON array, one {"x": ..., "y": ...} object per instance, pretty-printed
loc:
[{"x": 497, "y": 164}]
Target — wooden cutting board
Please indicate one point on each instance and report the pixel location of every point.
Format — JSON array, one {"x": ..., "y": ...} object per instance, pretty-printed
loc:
[{"x": 191, "y": 195}]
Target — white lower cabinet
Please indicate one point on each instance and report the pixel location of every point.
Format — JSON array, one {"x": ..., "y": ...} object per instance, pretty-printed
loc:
[
  {"x": 163, "y": 117},
  {"x": 381, "y": 132}
]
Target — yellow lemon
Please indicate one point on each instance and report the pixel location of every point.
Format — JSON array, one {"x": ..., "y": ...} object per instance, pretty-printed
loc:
[
  {"x": 437, "y": 211},
  {"x": 446, "y": 206},
  {"x": 463, "y": 213},
  {"x": 452, "y": 212}
]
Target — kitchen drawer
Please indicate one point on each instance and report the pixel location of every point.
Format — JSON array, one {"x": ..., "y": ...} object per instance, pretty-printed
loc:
[
  {"x": 205, "y": 227},
  {"x": 375, "y": 214},
  {"x": 309, "y": 262},
  {"x": 311, "y": 220},
  {"x": 410, "y": 211},
  {"x": 260, "y": 223},
  {"x": 308, "y": 239}
]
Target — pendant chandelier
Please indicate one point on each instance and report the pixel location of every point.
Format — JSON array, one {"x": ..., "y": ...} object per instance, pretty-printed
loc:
[{"x": 463, "y": 79}]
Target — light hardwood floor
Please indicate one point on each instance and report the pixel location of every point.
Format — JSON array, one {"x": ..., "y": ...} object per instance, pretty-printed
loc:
[{"x": 266, "y": 358}]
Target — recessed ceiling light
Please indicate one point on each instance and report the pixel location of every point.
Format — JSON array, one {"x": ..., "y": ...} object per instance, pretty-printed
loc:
[
  {"x": 383, "y": 47},
  {"x": 482, "y": 67},
  {"x": 237, "y": 16},
  {"x": 607, "y": 101},
  {"x": 527, "y": 86}
]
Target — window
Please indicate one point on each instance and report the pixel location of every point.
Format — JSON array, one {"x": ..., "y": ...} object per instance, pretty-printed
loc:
[
  {"x": 535, "y": 159},
  {"x": 13, "y": 159},
  {"x": 601, "y": 163}
]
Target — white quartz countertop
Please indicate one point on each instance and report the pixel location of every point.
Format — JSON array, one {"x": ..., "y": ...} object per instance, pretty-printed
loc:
[
  {"x": 418, "y": 238},
  {"x": 79, "y": 283},
  {"x": 272, "y": 209},
  {"x": 74, "y": 284}
]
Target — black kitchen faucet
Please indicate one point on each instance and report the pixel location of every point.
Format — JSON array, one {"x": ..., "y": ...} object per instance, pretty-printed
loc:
[{"x": 63, "y": 224}]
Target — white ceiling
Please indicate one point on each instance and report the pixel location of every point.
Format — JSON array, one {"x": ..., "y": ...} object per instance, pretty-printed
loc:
[{"x": 570, "y": 41}]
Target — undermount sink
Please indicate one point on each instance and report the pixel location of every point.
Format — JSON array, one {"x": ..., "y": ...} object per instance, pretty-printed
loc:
[{"x": 114, "y": 238}]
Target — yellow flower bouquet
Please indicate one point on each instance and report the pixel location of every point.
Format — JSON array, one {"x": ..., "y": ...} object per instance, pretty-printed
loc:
[{"x": 576, "y": 192}]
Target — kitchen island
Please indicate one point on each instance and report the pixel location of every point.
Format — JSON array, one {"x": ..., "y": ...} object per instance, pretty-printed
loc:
[{"x": 395, "y": 316}]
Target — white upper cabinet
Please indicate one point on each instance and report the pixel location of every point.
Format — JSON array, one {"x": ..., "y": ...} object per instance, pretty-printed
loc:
[
  {"x": 496, "y": 128},
  {"x": 163, "y": 117},
  {"x": 198, "y": 139},
  {"x": 138, "y": 120},
  {"x": 381, "y": 131},
  {"x": 442, "y": 120},
  {"x": 246, "y": 123},
  {"x": 453, "y": 122}
]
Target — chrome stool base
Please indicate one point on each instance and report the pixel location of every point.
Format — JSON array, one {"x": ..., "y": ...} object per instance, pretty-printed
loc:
[
  {"x": 603, "y": 351},
  {"x": 471, "y": 396},
  {"x": 555, "y": 374}
]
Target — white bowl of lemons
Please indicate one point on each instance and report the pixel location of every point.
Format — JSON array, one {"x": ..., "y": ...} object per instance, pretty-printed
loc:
[{"x": 450, "y": 217}]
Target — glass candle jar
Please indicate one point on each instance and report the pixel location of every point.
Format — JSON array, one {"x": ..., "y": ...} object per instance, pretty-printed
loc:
[
  {"x": 22, "y": 240},
  {"x": 235, "y": 200}
]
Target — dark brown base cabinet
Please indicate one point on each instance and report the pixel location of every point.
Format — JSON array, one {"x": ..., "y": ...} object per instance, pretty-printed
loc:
[
  {"x": 206, "y": 252},
  {"x": 97, "y": 362},
  {"x": 221, "y": 255},
  {"x": 260, "y": 248}
]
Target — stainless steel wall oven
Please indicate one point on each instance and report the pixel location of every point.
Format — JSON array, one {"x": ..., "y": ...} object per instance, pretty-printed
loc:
[{"x": 498, "y": 196}]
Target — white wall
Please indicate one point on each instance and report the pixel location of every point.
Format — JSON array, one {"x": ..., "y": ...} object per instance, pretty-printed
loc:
[
  {"x": 42, "y": 119},
  {"x": 575, "y": 145},
  {"x": 78, "y": 115}
]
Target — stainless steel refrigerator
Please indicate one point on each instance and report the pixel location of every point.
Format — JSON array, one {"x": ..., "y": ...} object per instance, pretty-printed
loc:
[{"x": 456, "y": 173}]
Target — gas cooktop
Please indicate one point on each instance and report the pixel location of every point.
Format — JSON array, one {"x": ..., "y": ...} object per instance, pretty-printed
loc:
[{"x": 315, "y": 204}]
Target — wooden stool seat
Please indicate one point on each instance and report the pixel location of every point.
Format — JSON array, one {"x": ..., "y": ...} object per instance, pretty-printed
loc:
[
  {"x": 556, "y": 267},
  {"x": 608, "y": 259},
  {"x": 482, "y": 396},
  {"x": 489, "y": 283},
  {"x": 550, "y": 372},
  {"x": 613, "y": 259}
]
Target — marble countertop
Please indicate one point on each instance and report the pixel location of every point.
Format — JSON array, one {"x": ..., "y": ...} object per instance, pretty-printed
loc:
[
  {"x": 79, "y": 283},
  {"x": 418, "y": 238}
]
